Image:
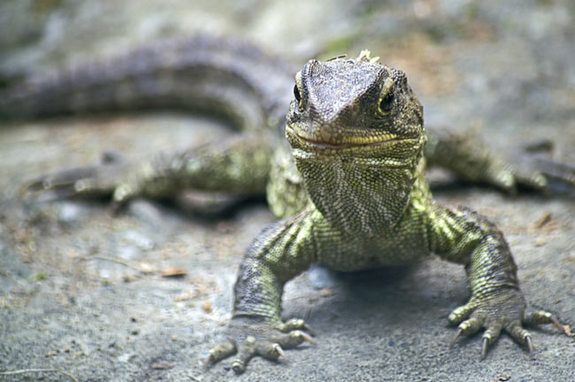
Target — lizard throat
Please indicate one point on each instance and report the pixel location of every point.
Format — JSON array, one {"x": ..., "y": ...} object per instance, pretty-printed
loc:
[{"x": 367, "y": 195}]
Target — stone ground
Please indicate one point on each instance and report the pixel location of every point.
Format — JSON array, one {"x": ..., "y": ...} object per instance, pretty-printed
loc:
[{"x": 87, "y": 294}]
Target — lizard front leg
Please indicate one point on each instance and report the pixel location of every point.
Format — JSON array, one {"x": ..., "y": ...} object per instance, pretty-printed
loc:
[
  {"x": 278, "y": 254},
  {"x": 497, "y": 303}
]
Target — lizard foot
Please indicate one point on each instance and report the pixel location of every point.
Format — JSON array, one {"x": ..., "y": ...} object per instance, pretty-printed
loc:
[
  {"x": 526, "y": 168},
  {"x": 560, "y": 177},
  {"x": 500, "y": 311},
  {"x": 508, "y": 177},
  {"x": 247, "y": 338},
  {"x": 112, "y": 178},
  {"x": 534, "y": 168}
]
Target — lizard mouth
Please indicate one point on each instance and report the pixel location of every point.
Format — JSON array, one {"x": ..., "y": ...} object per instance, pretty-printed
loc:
[
  {"x": 303, "y": 140},
  {"x": 344, "y": 144}
]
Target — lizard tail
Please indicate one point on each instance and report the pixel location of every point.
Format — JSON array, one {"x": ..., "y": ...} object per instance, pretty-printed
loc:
[{"x": 220, "y": 76}]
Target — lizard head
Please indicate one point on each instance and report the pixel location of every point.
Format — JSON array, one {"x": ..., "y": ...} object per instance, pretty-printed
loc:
[
  {"x": 354, "y": 107},
  {"x": 357, "y": 137}
]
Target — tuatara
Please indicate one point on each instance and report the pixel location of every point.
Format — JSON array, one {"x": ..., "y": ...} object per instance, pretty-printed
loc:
[{"x": 349, "y": 188}]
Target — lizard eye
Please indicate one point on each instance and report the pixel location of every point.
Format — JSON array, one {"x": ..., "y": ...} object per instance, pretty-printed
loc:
[
  {"x": 297, "y": 94},
  {"x": 297, "y": 91},
  {"x": 386, "y": 97},
  {"x": 385, "y": 104},
  {"x": 298, "y": 98}
]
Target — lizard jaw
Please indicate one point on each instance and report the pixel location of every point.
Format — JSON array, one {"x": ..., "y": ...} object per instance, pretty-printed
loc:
[{"x": 323, "y": 144}]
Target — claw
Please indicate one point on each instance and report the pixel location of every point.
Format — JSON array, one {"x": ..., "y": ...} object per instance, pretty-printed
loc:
[
  {"x": 529, "y": 343},
  {"x": 484, "y": 347},
  {"x": 521, "y": 335},
  {"x": 558, "y": 325},
  {"x": 308, "y": 338},
  {"x": 456, "y": 338},
  {"x": 303, "y": 336},
  {"x": 491, "y": 334},
  {"x": 308, "y": 329},
  {"x": 278, "y": 350}
]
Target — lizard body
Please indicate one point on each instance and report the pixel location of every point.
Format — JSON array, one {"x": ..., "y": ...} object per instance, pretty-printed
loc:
[{"x": 350, "y": 187}]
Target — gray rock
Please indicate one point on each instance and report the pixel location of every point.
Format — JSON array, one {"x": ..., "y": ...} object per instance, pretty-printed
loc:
[{"x": 320, "y": 277}]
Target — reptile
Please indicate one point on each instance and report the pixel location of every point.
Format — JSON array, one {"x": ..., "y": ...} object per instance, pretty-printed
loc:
[{"x": 347, "y": 185}]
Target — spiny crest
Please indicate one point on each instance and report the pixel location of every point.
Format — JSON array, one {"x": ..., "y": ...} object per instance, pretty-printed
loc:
[{"x": 365, "y": 55}]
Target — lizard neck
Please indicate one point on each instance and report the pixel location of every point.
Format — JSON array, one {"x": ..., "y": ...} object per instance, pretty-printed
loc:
[{"x": 367, "y": 195}]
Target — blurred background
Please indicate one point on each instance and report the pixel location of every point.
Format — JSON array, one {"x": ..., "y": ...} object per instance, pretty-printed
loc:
[
  {"x": 92, "y": 294},
  {"x": 501, "y": 66}
]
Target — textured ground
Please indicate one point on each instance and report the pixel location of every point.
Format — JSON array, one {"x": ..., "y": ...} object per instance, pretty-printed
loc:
[{"x": 84, "y": 292}]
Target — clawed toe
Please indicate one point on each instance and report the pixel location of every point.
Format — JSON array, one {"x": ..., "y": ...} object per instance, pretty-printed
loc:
[
  {"x": 504, "y": 312},
  {"x": 270, "y": 351},
  {"x": 529, "y": 343},
  {"x": 63, "y": 183},
  {"x": 484, "y": 347},
  {"x": 247, "y": 340},
  {"x": 82, "y": 182},
  {"x": 295, "y": 324},
  {"x": 245, "y": 353},
  {"x": 542, "y": 317},
  {"x": 491, "y": 334},
  {"x": 219, "y": 352}
]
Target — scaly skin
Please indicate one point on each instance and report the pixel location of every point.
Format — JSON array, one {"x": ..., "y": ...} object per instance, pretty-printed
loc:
[
  {"x": 357, "y": 138},
  {"x": 351, "y": 189}
]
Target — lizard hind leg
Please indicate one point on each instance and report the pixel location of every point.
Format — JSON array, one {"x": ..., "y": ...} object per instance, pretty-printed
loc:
[
  {"x": 238, "y": 165},
  {"x": 528, "y": 168}
]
